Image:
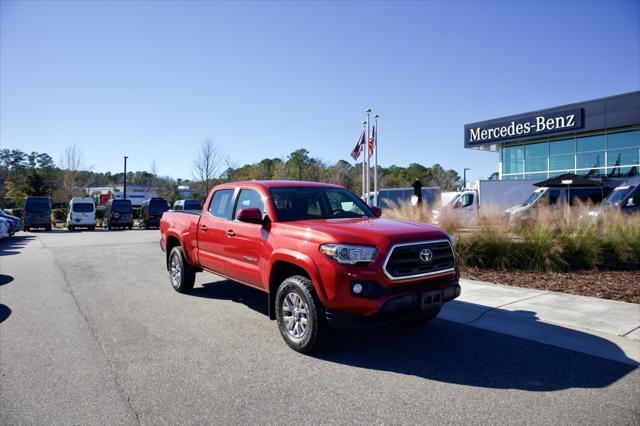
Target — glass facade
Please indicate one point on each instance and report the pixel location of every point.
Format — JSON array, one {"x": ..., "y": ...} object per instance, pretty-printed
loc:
[{"x": 612, "y": 154}]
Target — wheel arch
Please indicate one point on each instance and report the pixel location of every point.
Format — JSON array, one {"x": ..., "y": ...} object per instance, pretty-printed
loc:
[{"x": 285, "y": 264}]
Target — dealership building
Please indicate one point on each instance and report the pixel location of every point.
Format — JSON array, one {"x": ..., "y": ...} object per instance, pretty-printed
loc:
[{"x": 598, "y": 138}]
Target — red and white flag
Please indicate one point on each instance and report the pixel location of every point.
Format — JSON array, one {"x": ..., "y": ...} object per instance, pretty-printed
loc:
[
  {"x": 358, "y": 149},
  {"x": 372, "y": 141}
]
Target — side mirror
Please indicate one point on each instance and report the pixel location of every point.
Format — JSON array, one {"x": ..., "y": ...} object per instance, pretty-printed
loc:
[
  {"x": 250, "y": 215},
  {"x": 630, "y": 202},
  {"x": 377, "y": 211}
]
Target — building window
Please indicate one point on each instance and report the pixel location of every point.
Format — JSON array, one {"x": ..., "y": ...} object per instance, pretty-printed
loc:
[
  {"x": 623, "y": 140},
  {"x": 562, "y": 163},
  {"x": 565, "y": 146},
  {"x": 590, "y": 164},
  {"x": 613, "y": 154},
  {"x": 590, "y": 143},
  {"x": 512, "y": 159}
]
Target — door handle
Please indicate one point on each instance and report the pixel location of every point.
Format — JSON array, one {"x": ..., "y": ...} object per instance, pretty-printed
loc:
[
  {"x": 230, "y": 233},
  {"x": 203, "y": 227}
]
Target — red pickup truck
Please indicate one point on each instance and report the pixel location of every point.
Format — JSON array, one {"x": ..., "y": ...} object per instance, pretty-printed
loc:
[{"x": 323, "y": 256}]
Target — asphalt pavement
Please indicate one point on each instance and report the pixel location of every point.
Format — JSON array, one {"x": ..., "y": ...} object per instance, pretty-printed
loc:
[{"x": 91, "y": 332}]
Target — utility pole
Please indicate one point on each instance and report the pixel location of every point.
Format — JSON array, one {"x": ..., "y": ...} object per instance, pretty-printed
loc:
[
  {"x": 375, "y": 160},
  {"x": 464, "y": 179},
  {"x": 366, "y": 157},
  {"x": 124, "y": 197},
  {"x": 364, "y": 164}
]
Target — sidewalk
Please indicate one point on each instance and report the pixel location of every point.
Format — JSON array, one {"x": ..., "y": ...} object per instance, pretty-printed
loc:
[{"x": 600, "y": 327}]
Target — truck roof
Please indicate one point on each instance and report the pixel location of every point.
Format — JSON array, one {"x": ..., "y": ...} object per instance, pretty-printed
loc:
[{"x": 279, "y": 184}]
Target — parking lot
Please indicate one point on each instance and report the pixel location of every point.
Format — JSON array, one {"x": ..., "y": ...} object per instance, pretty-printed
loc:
[{"x": 92, "y": 333}]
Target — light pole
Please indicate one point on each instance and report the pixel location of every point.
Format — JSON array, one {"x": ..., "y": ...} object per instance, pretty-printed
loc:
[
  {"x": 464, "y": 179},
  {"x": 366, "y": 156},
  {"x": 375, "y": 161},
  {"x": 124, "y": 197}
]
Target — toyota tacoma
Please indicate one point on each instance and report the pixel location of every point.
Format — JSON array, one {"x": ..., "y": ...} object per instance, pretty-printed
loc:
[{"x": 323, "y": 256}]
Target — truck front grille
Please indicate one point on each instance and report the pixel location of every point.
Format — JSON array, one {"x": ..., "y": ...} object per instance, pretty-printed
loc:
[{"x": 419, "y": 259}]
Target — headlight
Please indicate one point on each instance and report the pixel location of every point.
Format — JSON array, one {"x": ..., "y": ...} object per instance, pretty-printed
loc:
[{"x": 348, "y": 254}]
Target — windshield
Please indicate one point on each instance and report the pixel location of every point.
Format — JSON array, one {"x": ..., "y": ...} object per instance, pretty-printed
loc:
[
  {"x": 122, "y": 206},
  {"x": 82, "y": 207},
  {"x": 38, "y": 206},
  {"x": 619, "y": 194},
  {"x": 317, "y": 203},
  {"x": 532, "y": 198}
]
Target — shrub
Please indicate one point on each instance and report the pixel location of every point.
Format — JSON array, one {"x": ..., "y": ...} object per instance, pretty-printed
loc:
[
  {"x": 59, "y": 215},
  {"x": 552, "y": 239}
]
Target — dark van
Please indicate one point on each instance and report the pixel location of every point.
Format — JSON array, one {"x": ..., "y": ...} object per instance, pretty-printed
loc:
[
  {"x": 37, "y": 213},
  {"x": 625, "y": 197},
  {"x": 118, "y": 214},
  {"x": 151, "y": 212}
]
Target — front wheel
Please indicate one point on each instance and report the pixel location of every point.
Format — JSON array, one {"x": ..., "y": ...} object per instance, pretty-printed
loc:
[
  {"x": 181, "y": 274},
  {"x": 300, "y": 315}
]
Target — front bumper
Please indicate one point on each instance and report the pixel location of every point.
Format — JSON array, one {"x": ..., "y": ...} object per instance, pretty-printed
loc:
[{"x": 397, "y": 308}]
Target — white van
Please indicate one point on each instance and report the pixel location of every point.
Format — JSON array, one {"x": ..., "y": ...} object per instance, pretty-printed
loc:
[
  {"x": 82, "y": 213},
  {"x": 463, "y": 206}
]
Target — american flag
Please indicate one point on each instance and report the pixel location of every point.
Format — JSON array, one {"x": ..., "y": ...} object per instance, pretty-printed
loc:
[
  {"x": 372, "y": 140},
  {"x": 358, "y": 149}
]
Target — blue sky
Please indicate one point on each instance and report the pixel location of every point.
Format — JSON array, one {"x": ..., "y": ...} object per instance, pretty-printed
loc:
[{"x": 153, "y": 79}]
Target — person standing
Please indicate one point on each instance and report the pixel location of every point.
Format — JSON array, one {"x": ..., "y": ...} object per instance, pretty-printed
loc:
[{"x": 417, "y": 192}]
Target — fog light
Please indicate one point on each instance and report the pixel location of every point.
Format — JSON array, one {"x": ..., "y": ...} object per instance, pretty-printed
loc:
[{"x": 357, "y": 288}]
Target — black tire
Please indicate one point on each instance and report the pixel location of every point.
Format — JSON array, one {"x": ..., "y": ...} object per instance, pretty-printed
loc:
[
  {"x": 92, "y": 228},
  {"x": 47, "y": 228},
  {"x": 316, "y": 327},
  {"x": 70, "y": 228},
  {"x": 183, "y": 281},
  {"x": 109, "y": 227},
  {"x": 26, "y": 229}
]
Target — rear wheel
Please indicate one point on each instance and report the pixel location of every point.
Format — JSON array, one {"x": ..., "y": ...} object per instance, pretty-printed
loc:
[
  {"x": 47, "y": 228},
  {"x": 300, "y": 315},
  {"x": 70, "y": 228},
  {"x": 181, "y": 274},
  {"x": 26, "y": 229}
]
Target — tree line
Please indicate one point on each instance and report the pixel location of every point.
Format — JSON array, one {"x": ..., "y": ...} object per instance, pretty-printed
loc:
[{"x": 34, "y": 173}]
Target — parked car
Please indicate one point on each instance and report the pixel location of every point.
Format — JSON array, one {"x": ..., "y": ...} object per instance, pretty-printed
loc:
[
  {"x": 118, "y": 214},
  {"x": 15, "y": 222},
  {"x": 37, "y": 213},
  {"x": 82, "y": 213},
  {"x": 624, "y": 198},
  {"x": 323, "y": 256},
  {"x": 187, "y": 206},
  {"x": 5, "y": 228},
  {"x": 151, "y": 212}
]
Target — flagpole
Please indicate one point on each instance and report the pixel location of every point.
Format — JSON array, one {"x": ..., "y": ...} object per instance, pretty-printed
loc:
[
  {"x": 375, "y": 161},
  {"x": 364, "y": 164},
  {"x": 366, "y": 156}
]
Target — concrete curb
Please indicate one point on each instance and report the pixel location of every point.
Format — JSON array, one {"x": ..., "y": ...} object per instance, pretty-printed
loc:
[{"x": 599, "y": 327}]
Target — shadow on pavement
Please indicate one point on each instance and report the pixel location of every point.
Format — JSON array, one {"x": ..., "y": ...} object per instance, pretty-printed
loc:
[
  {"x": 4, "y": 312},
  {"x": 229, "y": 290},
  {"x": 5, "y": 279},
  {"x": 12, "y": 245},
  {"x": 453, "y": 353}
]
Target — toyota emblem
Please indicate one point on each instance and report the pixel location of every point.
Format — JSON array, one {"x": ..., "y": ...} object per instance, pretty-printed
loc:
[{"x": 426, "y": 255}]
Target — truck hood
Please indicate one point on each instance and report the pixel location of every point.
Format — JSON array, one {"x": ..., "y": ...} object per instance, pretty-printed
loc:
[{"x": 363, "y": 231}]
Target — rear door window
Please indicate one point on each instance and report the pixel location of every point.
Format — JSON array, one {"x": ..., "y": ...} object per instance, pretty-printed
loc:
[
  {"x": 37, "y": 206},
  {"x": 221, "y": 204},
  {"x": 158, "y": 206},
  {"x": 82, "y": 207}
]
